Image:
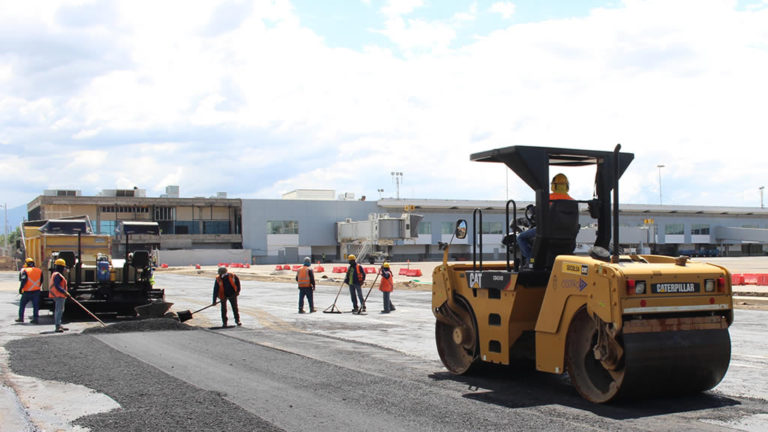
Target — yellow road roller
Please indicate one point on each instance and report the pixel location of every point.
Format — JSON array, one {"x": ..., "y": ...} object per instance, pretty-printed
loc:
[{"x": 622, "y": 325}]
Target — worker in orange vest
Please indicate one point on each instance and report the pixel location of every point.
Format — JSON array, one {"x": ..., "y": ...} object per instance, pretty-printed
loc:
[
  {"x": 57, "y": 290},
  {"x": 386, "y": 287},
  {"x": 31, "y": 284},
  {"x": 227, "y": 287},
  {"x": 306, "y": 279}
]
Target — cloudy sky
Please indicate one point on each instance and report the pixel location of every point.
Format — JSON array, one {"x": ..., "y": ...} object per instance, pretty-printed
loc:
[{"x": 257, "y": 98}]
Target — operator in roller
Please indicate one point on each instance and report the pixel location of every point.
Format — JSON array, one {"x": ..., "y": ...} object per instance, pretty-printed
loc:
[{"x": 559, "y": 188}]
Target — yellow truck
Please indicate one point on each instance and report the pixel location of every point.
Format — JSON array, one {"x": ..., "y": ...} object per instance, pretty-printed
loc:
[
  {"x": 620, "y": 325},
  {"x": 98, "y": 281}
]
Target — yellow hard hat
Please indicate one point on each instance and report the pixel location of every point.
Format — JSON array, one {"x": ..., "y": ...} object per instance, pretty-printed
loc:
[
  {"x": 385, "y": 265},
  {"x": 351, "y": 257},
  {"x": 29, "y": 260},
  {"x": 60, "y": 262},
  {"x": 560, "y": 183}
]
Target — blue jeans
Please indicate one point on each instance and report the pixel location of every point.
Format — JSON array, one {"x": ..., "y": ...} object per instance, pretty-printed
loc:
[
  {"x": 59, "y": 311},
  {"x": 26, "y": 297},
  {"x": 525, "y": 242},
  {"x": 306, "y": 292},
  {"x": 356, "y": 288},
  {"x": 388, "y": 306}
]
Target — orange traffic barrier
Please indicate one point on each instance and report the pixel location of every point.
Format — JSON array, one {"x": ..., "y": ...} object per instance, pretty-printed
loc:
[
  {"x": 197, "y": 266},
  {"x": 737, "y": 279},
  {"x": 370, "y": 270},
  {"x": 339, "y": 270},
  {"x": 163, "y": 265},
  {"x": 296, "y": 267},
  {"x": 319, "y": 269}
]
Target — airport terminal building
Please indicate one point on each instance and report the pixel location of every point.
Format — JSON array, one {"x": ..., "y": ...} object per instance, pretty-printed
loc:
[{"x": 316, "y": 223}]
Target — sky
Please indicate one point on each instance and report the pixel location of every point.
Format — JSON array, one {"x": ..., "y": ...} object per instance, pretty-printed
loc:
[{"x": 259, "y": 98}]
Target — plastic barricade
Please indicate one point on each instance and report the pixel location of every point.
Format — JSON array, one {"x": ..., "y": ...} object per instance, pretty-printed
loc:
[
  {"x": 296, "y": 267},
  {"x": 319, "y": 269},
  {"x": 403, "y": 272},
  {"x": 247, "y": 265},
  {"x": 750, "y": 279},
  {"x": 737, "y": 279},
  {"x": 197, "y": 266},
  {"x": 278, "y": 268},
  {"x": 286, "y": 267},
  {"x": 339, "y": 270},
  {"x": 410, "y": 272},
  {"x": 370, "y": 270},
  {"x": 163, "y": 265},
  {"x": 762, "y": 279}
]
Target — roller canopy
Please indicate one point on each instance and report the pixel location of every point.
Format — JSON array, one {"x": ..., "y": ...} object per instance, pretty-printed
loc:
[{"x": 531, "y": 164}]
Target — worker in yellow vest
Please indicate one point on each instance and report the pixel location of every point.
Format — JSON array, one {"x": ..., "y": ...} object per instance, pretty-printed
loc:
[
  {"x": 306, "y": 279},
  {"x": 57, "y": 290},
  {"x": 31, "y": 279}
]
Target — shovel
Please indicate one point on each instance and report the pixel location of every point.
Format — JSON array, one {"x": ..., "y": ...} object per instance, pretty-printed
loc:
[
  {"x": 83, "y": 307},
  {"x": 186, "y": 315}
]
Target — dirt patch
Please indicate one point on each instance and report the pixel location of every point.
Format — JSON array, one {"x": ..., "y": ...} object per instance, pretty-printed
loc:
[{"x": 151, "y": 324}]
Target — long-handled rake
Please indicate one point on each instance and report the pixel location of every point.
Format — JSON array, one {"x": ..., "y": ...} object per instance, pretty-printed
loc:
[
  {"x": 333, "y": 308},
  {"x": 359, "y": 311}
]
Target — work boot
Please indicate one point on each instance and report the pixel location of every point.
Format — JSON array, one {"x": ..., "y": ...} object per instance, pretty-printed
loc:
[
  {"x": 63, "y": 328},
  {"x": 239, "y": 323},
  {"x": 59, "y": 330},
  {"x": 312, "y": 310},
  {"x": 33, "y": 321},
  {"x": 21, "y": 320},
  {"x": 301, "y": 310},
  {"x": 354, "y": 309},
  {"x": 385, "y": 311},
  {"x": 363, "y": 309}
]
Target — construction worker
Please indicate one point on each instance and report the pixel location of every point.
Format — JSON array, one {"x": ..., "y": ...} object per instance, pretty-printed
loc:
[
  {"x": 57, "y": 290},
  {"x": 386, "y": 287},
  {"x": 355, "y": 279},
  {"x": 306, "y": 279},
  {"x": 227, "y": 287},
  {"x": 559, "y": 187},
  {"x": 31, "y": 284}
]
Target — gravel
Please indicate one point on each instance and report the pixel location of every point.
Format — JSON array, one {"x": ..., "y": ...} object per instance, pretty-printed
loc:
[
  {"x": 150, "y": 324},
  {"x": 149, "y": 398}
]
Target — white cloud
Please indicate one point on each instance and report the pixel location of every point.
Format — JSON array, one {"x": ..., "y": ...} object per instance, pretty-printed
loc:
[
  {"x": 505, "y": 9},
  {"x": 677, "y": 83}
]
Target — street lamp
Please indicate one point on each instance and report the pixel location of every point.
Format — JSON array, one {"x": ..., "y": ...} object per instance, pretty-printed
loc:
[
  {"x": 398, "y": 178},
  {"x": 379, "y": 191},
  {"x": 659, "y": 167},
  {"x": 761, "y": 196}
]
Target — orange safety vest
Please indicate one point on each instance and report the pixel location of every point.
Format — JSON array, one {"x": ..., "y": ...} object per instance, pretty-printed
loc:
[
  {"x": 52, "y": 291},
  {"x": 220, "y": 281},
  {"x": 559, "y": 196},
  {"x": 34, "y": 279},
  {"x": 303, "y": 277},
  {"x": 386, "y": 283}
]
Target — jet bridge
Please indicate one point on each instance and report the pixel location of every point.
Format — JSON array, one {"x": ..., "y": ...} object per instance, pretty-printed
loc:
[{"x": 373, "y": 239}]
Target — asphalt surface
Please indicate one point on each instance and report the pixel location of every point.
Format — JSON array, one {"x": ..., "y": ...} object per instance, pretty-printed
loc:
[{"x": 286, "y": 371}]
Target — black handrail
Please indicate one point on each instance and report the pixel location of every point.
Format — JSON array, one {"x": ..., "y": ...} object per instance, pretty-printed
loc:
[
  {"x": 474, "y": 239},
  {"x": 616, "y": 203},
  {"x": 514, "y": 234}
]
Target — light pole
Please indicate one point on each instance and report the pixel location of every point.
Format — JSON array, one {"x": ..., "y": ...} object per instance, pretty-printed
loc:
[
  {"x": 761, "y": 196},
  {"x": 398, "y": 178},
  {"x": 659, "y": 167},
  {"x": 379, "y": 191}
]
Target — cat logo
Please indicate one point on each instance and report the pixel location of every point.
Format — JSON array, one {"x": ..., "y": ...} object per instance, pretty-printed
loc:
[{"x": 475, "y": 279}]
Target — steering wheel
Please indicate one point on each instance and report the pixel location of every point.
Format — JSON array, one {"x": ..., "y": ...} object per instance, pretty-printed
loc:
[{"x": 530, "y": 214}]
